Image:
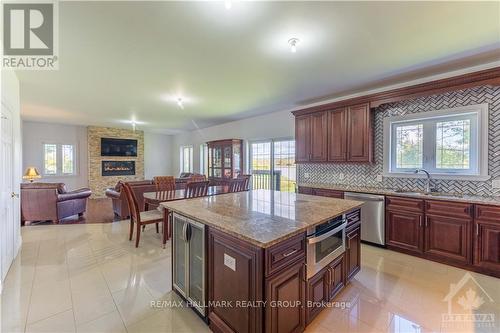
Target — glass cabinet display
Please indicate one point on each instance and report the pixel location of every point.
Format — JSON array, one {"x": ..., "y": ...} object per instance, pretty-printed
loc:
[{"x": 225, "y": 159}]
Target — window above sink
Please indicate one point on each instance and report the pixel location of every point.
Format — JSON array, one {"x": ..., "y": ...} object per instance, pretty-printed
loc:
[{"x": 450, "y": 144}]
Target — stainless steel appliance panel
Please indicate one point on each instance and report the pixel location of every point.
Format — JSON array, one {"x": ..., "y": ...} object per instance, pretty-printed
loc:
[{"x": 372, "y": 216}]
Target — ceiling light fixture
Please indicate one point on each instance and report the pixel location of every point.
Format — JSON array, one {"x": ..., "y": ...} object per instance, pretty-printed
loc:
[
  {"x": 179, "y": 102},
  {"x": 293, "y": 44},
  {"x": 228, "y": 4}
]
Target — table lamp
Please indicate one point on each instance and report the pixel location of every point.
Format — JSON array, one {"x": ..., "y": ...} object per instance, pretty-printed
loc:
[{"x": 31, "y": 174}]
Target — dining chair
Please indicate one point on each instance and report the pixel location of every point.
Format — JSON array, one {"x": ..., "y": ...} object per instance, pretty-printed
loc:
[
  {"x": 196, "y": 189},
  {"x": 197, "y": 178},
  {"x": 247, "y": 178},
  {"x": 138, "y": 217},
  {"x": 237, "y": 185},
  {"x": 164, "y": 183}
]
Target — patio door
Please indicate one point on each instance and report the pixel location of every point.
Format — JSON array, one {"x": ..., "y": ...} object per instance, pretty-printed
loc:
[{"x": 272, "y": 165}]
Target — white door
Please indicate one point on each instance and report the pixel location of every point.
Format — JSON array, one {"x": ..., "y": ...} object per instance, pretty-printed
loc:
[{"x": 7, "y": 216}]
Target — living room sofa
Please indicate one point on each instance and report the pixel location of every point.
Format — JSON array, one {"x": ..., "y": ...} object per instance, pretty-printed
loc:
[{"x": 51, "y": 202}]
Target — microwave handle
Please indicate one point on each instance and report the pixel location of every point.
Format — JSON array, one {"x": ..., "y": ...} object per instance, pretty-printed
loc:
[{"x": 313, "y": 240}]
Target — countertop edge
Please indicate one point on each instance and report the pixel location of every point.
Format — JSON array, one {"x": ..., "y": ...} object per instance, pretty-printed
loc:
[
  {"x": 251, "y": 240},
  {"x": 492, "y": 201}
]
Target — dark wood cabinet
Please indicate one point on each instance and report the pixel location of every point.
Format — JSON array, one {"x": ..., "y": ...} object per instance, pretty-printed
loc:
[
  {"x": 487, "y": 239},
  {"x": 328, "y": 193},
  {"x": 337, "y": 138},
  {"x": 319, "y": 137},
  {"x": 404, "y": 230},
  {"x": 302, "y": 138},
  {"x": 340, "y": 135},
  {"x": 288, "y": 287},
  {"x": 448, "y": 238},
  {"x": 243, "y": 281},
  {"x": 306, "y": 190},
  {"x": 311, "y": 138},
  {"x": 225, "y": 159},
  {"x": 337, "y": 278},
  {"x": 359, "y": 133},
  {"x": 317, "y": 293},
  {"x": 353, "y": 253}
]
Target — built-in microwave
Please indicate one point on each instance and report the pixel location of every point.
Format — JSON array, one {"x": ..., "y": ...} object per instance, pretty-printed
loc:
[{"x": 325, "y": 242}]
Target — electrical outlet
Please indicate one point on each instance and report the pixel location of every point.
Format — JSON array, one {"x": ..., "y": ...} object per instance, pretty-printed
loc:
[
  {"x": 495, "y": 183},
  {"x": 380, "y": 178},
  {"x": 341, "y": 176},
  {"x": 306, "y": 175}
]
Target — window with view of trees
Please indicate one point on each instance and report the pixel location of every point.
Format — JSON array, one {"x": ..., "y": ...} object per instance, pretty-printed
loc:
[
  {"x": 442, "y": 142},
  {"x": 59, "y": 159},
  {"x": 186, "y": 159}
]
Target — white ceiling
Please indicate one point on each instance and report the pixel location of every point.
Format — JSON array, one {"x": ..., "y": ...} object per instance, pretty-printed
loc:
[{"x": 125, "y": 60}]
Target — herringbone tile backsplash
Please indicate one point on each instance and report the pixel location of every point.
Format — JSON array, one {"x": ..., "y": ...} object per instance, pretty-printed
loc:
[{"x": 366, "y": 175}]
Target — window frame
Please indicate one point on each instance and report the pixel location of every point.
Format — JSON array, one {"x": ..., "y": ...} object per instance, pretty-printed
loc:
[
  {"x": 59, "y": 161},
  {"x": 191, "y": 166},
  {"x": 478, "y": 143}
]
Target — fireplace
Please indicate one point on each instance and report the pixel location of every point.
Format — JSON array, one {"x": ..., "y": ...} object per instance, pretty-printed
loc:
[{"x": 118, "y": 168}]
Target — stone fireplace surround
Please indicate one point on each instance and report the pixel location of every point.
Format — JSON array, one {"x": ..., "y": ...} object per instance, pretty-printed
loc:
[{"x": 99, "y": 183}]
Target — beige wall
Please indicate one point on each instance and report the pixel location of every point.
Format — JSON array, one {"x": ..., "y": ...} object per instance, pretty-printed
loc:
[{"x": 97, "y": 183}]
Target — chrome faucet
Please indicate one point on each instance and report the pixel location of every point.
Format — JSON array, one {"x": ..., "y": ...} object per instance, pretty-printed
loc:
[{"x": 428, "y": 189}]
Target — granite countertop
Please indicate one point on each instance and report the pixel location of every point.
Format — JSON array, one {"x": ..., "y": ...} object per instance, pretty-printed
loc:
[
  {"x": 476, "y": 199},
  {"x": 262, "y": 217}
]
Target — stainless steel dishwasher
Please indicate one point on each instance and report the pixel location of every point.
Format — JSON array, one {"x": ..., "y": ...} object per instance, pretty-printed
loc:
[{"x": 372, "y": 216}]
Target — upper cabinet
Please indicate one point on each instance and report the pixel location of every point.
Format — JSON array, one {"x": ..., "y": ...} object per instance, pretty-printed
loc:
[
  {"x": 359, "y": 134},
  {"x": 339, "y": 135}
]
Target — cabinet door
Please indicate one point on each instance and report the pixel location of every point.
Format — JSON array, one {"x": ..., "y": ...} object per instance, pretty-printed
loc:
[
  {"x": 235, "y": 271},
  {"x": 196, "y": 259},
  {"x": 302, "y": 138},
  {"x": 179, "y": 254},
  {"x": 337, "y": 277},
  {"x": 286, "y": 290},
  {"x": 404, "y": 230},
  {"x": 329, "y": 193},
  {"x": 317, "y": 294},
  {"x": 359, "y": 137},
  {"x": 353, "y": 252},
  {"x": 448, "y": 238},
  {"x": 337, "y": 140},
  {"x": 487, "y": 245},
  {"x": 319, "y": 137}
]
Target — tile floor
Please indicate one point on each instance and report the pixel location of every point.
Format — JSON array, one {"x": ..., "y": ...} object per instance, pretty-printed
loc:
[{"x": 90, "y": 278}]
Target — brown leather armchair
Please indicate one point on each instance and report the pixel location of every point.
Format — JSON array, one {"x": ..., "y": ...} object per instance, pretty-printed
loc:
[
  {"x": 120, "y": 206},
  {"x": 51, "y": 201}
]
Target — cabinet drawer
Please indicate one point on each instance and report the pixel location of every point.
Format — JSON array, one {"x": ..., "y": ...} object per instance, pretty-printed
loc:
[
  {"x": 447, "y": 208},
  {"x": 280, "y": 255},
  {"x": 305, "y": 190},
  {"x": 329, "y": 193},
  {"x": 490, "y": 213},
  {"x": 353, "y": 217},
  {"x": 407, "y": 204}
]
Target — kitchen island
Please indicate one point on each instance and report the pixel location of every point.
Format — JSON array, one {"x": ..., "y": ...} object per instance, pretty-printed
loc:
[{"x": 260, "y": 260}]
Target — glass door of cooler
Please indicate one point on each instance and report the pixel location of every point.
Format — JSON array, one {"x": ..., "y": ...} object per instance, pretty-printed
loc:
[
  {"x": 180, "y": 254},
  {"x": 197, "y": 265}
]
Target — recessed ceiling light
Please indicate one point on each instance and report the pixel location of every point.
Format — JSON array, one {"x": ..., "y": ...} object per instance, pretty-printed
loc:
[
  {"x": 293, "y": 44},
  {"x": 228, "y": 4},
  {"x": 180, "y": 103}
]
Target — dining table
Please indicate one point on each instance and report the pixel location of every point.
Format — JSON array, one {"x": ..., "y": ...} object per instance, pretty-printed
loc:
[{"x": 153, "y": 199}]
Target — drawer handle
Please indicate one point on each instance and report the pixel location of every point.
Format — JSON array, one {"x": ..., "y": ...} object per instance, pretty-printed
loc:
[{"x": 290, "y": 253}]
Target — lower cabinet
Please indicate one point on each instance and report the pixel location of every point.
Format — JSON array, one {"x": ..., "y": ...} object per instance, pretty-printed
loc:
[
  {"x": 353, "y": 253},
  {"x": 285, "y": 296},
  {"x": 448, "y": 238},
  {"x": 487, "y": 239},
  {"x": 337, "y": 277},
  {"x": 404, "y": 230},
  {"x": 324, "y": 286}
]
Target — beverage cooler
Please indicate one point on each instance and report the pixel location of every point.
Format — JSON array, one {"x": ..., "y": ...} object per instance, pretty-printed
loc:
[{"x": 189, "y": 260}]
